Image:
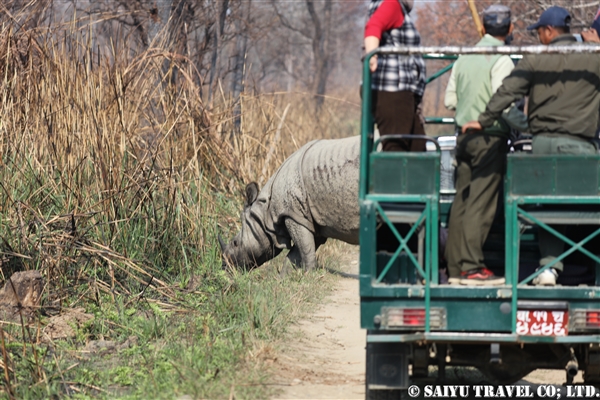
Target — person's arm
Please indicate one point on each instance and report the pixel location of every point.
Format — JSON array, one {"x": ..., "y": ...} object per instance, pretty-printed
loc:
[
  {"x": 371, "y": 43},
  {"x": 590, "y": 36},
  {"x": 388, "y": 16},
  {"x": 514, "y": 87},
  {"x": 450, "y": 99},
  {"x": 512, "y": 115}
]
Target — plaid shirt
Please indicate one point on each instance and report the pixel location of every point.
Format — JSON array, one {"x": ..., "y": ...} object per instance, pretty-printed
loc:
[{"x": 398, "y": 73}]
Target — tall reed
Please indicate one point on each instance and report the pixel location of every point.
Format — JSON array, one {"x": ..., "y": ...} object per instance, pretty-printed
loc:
[
  {"x": 114, "y": 179},
  {"x": 114, "y": 170}
]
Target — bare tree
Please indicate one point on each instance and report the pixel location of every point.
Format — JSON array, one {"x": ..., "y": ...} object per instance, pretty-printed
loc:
[
  {"x": 221, "y": 10},
  {"x": 316, "y": 28},
  {"x": 321, "y": 44},
  {"x": 160, "y": 13},
  {"x": 28, "y": 15},
  {"x": 239, "y": 59},
  {"x": 227, "y": 46}
]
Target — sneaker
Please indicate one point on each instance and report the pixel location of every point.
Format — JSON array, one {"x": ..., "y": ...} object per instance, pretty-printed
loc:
[
  {"x": 455, "y": 280},
  {"x": 546, "y": 278},
  {"x": 480, "y": 277}
]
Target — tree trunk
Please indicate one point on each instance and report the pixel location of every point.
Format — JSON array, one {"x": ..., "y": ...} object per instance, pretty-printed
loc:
[
  {"x": 177, "y": 34},
  {"x": 237, "y": 83},
  {"x": 222, "y": 7},
  {"x": 321, "y": 48},
  {"x": 289, "y": 67},
  {"x": 159, "y": 18}
]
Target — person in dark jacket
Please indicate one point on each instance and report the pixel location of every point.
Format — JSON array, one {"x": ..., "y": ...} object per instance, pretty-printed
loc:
[{"x": 562, "y": 112}]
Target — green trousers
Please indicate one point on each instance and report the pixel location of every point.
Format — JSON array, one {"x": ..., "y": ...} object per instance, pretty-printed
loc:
[
  {"x": 551, "y": 246},
  {"x": 481, "y": 160}
]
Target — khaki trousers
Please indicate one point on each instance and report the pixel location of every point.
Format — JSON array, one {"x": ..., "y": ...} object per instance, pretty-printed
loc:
[{"x": 481, "y": 162}]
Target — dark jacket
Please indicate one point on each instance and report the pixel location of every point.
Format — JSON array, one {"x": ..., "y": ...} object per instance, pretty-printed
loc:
[{"x": 563, "y": 90}]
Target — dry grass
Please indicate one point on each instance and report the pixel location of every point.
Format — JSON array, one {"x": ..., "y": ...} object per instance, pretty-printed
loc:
[
  {"x": 115, "y": 176},
  {"x": 90, "y": 143}
]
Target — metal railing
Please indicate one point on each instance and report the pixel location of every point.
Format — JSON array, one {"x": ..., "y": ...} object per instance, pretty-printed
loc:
[{"x": 367, "y": 142}]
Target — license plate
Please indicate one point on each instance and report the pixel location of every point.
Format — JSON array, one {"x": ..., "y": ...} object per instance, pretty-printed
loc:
[{"x": 542, "y": 322}]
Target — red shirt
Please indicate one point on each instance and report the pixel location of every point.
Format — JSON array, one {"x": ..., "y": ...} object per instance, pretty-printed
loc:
[{"x": 388, "y": 16}]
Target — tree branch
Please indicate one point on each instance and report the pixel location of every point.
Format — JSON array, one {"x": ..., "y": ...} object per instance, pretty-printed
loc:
[{"x": 287, "y": 24}]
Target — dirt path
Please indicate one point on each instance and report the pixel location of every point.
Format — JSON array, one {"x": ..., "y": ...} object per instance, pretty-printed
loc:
[{"x": 325, "y": 354}]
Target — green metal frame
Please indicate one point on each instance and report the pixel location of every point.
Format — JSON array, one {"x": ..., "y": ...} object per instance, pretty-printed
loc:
[
  {"x": 440, "y": 73},
  {"x": 442, "y": 337},
  {"x": 403, "y": 241},
  {"x": 370, "y": 205},
  {"x": 465, "y": 305},
  {"x": 436, "y": 75},
  {"x": 534, "y": 180},
  {"x": 427, "y": 219}
]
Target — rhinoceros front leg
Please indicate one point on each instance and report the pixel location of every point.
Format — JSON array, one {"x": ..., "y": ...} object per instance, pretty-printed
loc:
[
  {"x": 303, "y": 251},
  {"x": 294, "y": 257}
]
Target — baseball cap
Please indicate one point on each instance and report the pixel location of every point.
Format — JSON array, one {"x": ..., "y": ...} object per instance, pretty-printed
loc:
[
  {"x": 497, "y": 15},
  {"x": 553, "y": 16}
]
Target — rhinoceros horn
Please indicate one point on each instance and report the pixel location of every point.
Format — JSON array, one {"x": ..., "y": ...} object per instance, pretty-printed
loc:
[{"x": 221, "y": 243}]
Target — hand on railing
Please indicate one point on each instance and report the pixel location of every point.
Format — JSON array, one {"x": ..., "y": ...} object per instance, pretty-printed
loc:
[
  {"x": 590, "y": 36},
  {"x": 373, "y": 63}
]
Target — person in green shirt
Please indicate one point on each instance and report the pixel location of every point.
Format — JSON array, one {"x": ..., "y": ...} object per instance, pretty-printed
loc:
[
  {"x": 564, "y": 99},
  {"x": 480, "y": 157}
]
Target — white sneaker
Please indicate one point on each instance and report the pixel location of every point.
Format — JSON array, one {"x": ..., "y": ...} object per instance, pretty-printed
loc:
[
  {"x": 546, "y": 278},
  {"x": 454, "y": 281}
]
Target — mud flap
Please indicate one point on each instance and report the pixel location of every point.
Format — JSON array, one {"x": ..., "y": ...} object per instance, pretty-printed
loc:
[
  {"x": 387, "y": 366},
  {"x": 592, "y": 365}
]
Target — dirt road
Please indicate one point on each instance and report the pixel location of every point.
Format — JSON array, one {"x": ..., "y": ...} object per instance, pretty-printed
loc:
[
  {"x": 324, "y": 357},
  {"x": 325, "y": 354}
]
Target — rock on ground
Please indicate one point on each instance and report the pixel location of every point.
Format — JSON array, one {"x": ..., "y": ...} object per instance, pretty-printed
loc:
[{"x": 21, "y": 295}]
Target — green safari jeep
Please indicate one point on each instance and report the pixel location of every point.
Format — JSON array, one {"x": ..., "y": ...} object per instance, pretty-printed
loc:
[{"x": 415, "y": 320}]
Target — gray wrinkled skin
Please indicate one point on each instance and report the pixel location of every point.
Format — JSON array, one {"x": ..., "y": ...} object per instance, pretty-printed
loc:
[{"x": 313, "y": 196}]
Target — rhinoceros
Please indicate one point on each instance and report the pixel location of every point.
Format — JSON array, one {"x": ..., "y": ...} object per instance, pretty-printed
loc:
[{"x": 313, "y": 196}]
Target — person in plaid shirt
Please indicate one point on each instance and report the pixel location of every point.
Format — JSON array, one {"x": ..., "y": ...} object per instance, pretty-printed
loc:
[{"x": 398, "y": 82}]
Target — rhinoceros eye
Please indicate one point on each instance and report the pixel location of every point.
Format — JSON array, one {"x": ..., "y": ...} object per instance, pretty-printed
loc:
[{"x": 235, "y": 242}]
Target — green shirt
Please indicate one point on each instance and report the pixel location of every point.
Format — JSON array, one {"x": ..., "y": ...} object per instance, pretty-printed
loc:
[{"x": 473, "y": 81}]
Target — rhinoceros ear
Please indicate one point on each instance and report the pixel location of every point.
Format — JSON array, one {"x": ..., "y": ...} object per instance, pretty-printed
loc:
[{"x": 251, "y": 193}]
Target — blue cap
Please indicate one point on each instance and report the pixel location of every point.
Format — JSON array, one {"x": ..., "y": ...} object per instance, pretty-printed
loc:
[
  {"x": 596, "y": 23},
  {"x": 554, "y": 16}
]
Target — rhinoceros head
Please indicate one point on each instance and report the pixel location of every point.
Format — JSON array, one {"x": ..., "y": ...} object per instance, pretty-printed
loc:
[{"x": 253, "y": 245}]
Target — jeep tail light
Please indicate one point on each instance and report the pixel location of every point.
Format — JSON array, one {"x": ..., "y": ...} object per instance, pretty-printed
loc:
[
  {"x": 592, "y": 319},
  {"x": 410, "y": 318},
  {"x": 582, "y": 319},
  {"x": 413, "y": 317}
]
